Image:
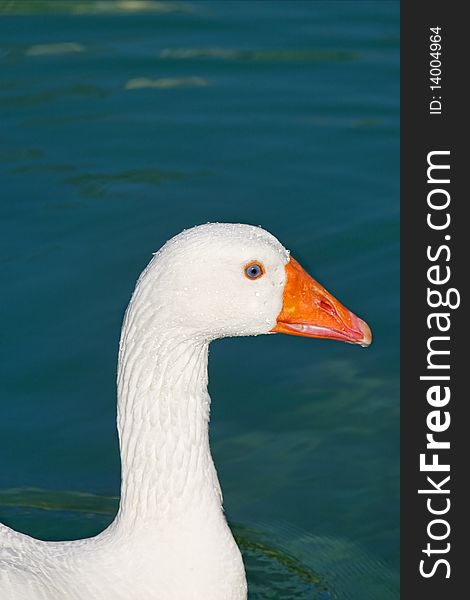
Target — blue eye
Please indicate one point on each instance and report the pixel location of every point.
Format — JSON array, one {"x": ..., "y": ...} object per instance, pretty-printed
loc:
[{"x": 254, "y": 270}]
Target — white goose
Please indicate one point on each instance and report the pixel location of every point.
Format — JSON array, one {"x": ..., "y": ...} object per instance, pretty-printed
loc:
[{"x": 170, "y": 539}]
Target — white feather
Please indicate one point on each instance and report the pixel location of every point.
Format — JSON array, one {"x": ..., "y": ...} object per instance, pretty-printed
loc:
[{"x": 170, "y": 539}]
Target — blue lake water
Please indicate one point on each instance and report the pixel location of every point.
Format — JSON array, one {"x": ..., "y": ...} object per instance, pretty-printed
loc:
[{"x": 123, "y": 123}]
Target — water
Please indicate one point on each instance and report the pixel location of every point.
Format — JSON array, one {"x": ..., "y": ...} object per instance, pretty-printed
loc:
[{"x": 124, "y": 123}]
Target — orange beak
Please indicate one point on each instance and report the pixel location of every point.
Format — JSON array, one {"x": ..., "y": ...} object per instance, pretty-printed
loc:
[{"x": 310, "y": 311}]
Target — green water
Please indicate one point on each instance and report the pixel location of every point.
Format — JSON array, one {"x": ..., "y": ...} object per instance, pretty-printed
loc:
[{"x": 121, "y": 124}]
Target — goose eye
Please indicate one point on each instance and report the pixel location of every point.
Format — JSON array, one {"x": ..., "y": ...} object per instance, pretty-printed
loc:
[{"x": 254, "y": 270}]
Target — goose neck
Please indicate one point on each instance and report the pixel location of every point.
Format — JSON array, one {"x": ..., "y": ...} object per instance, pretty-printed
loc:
[{"x": 163, "y": 415}]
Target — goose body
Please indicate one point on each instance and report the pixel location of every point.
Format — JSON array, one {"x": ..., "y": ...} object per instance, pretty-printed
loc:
[{"x": 170, "y": 539}]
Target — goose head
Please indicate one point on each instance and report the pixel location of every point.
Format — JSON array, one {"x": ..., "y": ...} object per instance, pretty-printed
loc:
[{"x": 223, "y": 279}]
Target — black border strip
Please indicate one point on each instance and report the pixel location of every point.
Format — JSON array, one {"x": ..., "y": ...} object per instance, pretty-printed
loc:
[{"x": 422, "y": 133}]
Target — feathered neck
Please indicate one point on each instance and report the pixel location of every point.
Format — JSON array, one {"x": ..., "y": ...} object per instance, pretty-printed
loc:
[{"x": 163, "y": 418}]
